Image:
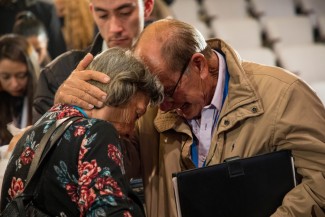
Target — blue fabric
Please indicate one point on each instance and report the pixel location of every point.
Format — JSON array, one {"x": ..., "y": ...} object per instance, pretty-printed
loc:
[{"x": 81, "y": 111}]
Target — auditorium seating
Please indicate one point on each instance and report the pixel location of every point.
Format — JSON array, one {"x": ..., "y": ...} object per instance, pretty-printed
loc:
[{"x": 286, "y": 33}]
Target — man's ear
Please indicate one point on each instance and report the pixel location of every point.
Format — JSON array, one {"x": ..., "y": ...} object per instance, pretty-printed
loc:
[
  {"x": 148, "y": 7},
  {"x": 200, "y": 63},
  {"x": 91, "y": 7}
]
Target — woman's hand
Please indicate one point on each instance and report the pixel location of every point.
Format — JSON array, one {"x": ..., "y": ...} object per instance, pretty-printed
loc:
[{"x": 77, "y": 91}]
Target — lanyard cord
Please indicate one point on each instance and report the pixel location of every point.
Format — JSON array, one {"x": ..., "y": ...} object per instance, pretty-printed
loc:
[{"x": 194, "y": 146}]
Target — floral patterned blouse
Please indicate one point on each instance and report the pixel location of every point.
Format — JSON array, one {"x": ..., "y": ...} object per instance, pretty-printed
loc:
[{"x": 83, "y": 176}]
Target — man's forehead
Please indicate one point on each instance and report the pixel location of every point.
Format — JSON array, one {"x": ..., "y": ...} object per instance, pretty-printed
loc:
[
  {"x": 151, "y": 58},
  {"x": 157, "y": 67},
  {"x": 114, "y": 4}
]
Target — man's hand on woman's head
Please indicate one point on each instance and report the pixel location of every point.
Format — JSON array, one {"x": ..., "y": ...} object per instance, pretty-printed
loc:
[{"x": 77, "y": 91}]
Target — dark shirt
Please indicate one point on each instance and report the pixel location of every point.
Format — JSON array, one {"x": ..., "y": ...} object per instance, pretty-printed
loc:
[
  {"x": 55, "y": 73},
  {"x": 11, "y": 109},
  {"x": 83, "y": 176}
]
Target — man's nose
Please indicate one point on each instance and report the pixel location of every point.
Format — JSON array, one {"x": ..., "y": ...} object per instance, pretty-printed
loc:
[{"x": 116, "y": 24}]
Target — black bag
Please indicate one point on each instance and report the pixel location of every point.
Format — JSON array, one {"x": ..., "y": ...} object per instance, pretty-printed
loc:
[{"x": 22, "y": 205}]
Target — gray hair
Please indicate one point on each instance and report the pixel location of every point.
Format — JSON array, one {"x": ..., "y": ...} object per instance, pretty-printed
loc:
[{"x": 128, "y": 76}]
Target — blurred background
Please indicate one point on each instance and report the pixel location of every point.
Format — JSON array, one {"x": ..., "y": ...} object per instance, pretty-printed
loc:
[{"x": 284, "y": 33}]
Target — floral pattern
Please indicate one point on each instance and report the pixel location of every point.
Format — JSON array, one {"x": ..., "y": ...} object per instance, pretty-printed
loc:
[
  {"x": 16, "y": 187},
  {"x": 80, "y": 130},
  {"x": 115, "y": 154},
  {"x": 28, "y": 152},
  {"x": 27, "y": 156},
  {"x": 85, "y": 170}
]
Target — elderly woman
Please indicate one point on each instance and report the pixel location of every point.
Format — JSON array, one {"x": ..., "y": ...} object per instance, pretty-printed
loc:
[{"x": 84, "y": 175}]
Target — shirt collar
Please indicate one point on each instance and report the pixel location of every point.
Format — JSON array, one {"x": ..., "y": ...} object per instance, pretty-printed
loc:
[
  {"x": 104, "y": 46},
  {"x": 218, "y": 93}
]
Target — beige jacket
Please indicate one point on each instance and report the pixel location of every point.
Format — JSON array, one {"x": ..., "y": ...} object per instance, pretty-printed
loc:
[{"x": 267, "y": 109}]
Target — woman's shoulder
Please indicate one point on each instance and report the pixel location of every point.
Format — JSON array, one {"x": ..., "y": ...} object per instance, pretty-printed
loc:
[{"x": 104, "y": 128}]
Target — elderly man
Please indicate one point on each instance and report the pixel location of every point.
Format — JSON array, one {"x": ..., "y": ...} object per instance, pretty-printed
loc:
[{"x": 217, "y": 106}]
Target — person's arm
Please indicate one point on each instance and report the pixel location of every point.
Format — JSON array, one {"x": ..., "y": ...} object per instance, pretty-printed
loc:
[
  {"x": 75, "y": 89},
  {"x": 300, "y": 127},
  {"x": 43, "y": 97},
  {"x": 14, "y": 141}
]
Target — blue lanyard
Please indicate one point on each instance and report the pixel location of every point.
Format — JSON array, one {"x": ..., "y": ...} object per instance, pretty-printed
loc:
[
  {"x": 81, "y": 111},
  {"x": 194, "y": 146},
  {"x": 195, "y": 153}
]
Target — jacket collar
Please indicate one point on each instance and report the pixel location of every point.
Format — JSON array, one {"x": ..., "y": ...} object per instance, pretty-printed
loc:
[
  {"x": 96, "y": 46},
  {"x": 240, "y": 91},
  {"x": 170, "y": 120}
]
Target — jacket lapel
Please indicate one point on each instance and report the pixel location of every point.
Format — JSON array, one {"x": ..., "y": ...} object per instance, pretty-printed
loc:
[{"x": 242, "y": 101}]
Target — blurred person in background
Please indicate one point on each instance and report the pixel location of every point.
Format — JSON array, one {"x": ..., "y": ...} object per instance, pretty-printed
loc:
[
  {"x": 44, "y": 11},
  {"x": 34, "y": 31},
  {"x": 77, "y": 23},
  {"x": 160, "y": 11},
  {"x": 17, "y": 84},
  {"x": 169, "y": 2}
]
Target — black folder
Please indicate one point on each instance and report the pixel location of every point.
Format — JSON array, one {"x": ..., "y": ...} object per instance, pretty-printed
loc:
[{"x": 247, "y": 187}]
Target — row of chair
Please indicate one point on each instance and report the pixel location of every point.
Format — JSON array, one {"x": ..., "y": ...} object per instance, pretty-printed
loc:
[
  {"x": 194, "y": 11},
  {"x": 272, "y": 32}
]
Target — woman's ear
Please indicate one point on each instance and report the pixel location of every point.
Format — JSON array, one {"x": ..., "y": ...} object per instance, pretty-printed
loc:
[{"x": 200, "y": 64}]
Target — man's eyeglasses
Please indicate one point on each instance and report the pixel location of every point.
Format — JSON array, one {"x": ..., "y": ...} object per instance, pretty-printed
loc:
[{"x": 170, "y": 93}]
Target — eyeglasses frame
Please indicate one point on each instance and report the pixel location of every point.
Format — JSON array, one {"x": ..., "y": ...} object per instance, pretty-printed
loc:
[{"x": 179, "y": 79}]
